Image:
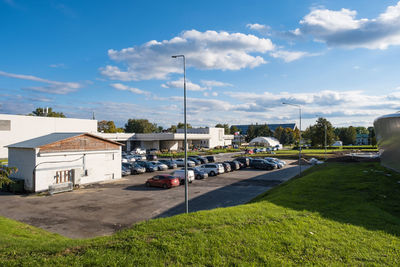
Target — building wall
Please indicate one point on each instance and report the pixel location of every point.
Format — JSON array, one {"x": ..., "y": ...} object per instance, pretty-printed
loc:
[
  {"x": 97, "y": 165},
  {"x": 24, "y": 160},
  {"x": 17, "y": 128},
  {"x": 169, "y": 145}
]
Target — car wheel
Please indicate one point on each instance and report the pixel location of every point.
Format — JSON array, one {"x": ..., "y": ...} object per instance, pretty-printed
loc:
[
  {"x": 135, "y": 172},
  {"x": 212, "y": 173},
  {"x": 182, "y": 182},
  {"x": 198, "y": 176},
  {"x": 165, "y": 186},
  {"x": 147, "y": 184}
]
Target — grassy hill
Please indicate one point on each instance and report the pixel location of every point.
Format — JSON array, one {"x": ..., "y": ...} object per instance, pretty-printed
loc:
[{"x": 336, "y": 214}]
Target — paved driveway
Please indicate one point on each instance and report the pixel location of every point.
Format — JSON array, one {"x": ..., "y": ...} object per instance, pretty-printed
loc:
[{"x": 101, "y": 209}]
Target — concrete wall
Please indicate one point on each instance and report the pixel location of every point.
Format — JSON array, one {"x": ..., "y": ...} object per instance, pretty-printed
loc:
[
  {"x": 169, "y": 145},
  {"x": 17, "y": 128},
  {"x": 24, "y": 160},
  {"x": 99, "y": 166}
]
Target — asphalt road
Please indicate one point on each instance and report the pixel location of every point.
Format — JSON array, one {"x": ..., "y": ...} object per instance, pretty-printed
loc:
[{"x": 102, "y": 209}]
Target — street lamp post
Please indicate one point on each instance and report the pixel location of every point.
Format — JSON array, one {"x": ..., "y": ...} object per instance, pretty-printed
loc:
[
  {"x": 299, "y": 133},
  {"x": 184, "y": 121}
]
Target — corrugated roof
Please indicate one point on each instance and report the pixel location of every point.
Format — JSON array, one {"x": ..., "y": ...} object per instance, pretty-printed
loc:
[{"x": 44, "y": 140}]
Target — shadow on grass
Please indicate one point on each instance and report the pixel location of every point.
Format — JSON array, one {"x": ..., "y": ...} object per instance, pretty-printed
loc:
[
  {"x": 230, "y": 191},
  {"x": 362, "y": 194}
]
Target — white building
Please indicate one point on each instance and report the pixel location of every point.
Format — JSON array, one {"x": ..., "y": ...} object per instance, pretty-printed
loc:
[
  {"x": 18, "y": 128},
  {"x": 265, "y": 141},
  {"x": 64, "y": 159},
  {"x": 198, "y": 137}
]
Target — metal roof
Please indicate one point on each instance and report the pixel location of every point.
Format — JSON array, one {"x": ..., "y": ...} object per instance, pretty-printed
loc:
[{"x": 50, "y": 139}]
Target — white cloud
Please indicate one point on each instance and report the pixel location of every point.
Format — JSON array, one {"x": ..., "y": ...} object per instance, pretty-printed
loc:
[
  {"x": 214, "y": 94},
  {"x": 53, "y": 87},
  {"x": 179, "y": 85},
  {"x": 341, "y": 28},
  {"x": 212, "y": 83},
  {"x": 203, "y": 50},
  {"x": 122, "y": 87},
  {"x": 264, "y": 29},
  {"x": 289, "y": 56}
]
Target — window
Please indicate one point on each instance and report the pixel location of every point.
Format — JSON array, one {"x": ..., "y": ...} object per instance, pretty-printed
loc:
[{"x": 5, "y": 125}]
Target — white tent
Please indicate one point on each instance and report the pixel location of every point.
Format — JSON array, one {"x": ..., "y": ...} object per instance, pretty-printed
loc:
[{"x": 265, "y": 141}]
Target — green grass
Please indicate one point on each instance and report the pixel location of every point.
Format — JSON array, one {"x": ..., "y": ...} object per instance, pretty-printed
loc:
[{"x": 336, "y": 214}]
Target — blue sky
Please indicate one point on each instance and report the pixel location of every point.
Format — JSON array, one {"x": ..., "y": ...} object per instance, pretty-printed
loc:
[{"x": 337, "y": 59}]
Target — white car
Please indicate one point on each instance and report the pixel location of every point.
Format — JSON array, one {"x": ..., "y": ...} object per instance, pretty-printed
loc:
[
  {"x": 181, "y": 175},
  {"x": 161, "y": 166},
  {"x": 212, "y": 168},
  {"x": 181, "y": 163}
]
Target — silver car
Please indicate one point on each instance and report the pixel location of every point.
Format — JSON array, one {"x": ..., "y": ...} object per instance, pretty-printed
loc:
[
  {"x": 212, "y": 168},
  {"x": 181, "y": 163}
]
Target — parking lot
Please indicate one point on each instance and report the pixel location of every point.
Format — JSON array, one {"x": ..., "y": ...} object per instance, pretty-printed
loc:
[{"x": 102, "y": 209}]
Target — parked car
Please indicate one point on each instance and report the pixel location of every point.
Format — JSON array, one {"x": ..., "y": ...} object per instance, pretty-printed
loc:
[
  {"x": 139, "y": 157},
  {"x": 170, "y": 163},
  {"x": 198, "y": 173},
  {"x": 244, "y": 160},
  {"x": 134, "y": 168},
  {"x": 212, "y": 168},
  {"x": 249, "y": 151},
  {"x": 125, "y": 171},
  {"x": 196, "y": 161},
  {"x": 227, "y": 166},
  {"x": 279, "y": 164},
  {"x": 151, "y": 157},
  {"x": 150, "y": 167},
  {"x": 139, "y": 151},
  {"x": 211, "y": 158},
  {"x": 234, "y": 165},
  {"x": 202, "y": 160},
  {"x": 181, "y": 175},
  {"x": 161, "y": 166},
  {"x": 181, "y": 163},
  {"x": 278, "y": 160},
  {"x": 163, "y": 180},
  {"x": 262, "y": 164}
]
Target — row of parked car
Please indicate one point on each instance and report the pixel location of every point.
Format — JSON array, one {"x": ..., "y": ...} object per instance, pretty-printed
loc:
[{"x": 177, "y": 177}]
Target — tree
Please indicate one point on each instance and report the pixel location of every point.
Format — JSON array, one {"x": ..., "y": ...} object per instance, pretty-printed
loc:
[
  {"x": 50, "y": 113},
  {"x": 5, "y": 173},
  {"x": 371, "y": 136},
  {"x": 347, "y": 135},
  {"x": 257, "y": 130},
  {"x": 251, "y": 133},
  {"x": 181, "y": 125},
  {"x": 362, "y": 130},
  {"x": 225, "y": 126},
  {"x": 140, "y": 126},
  {"x": 263, "y": 130},
  {"x": 278, "y": 133},
  {"x": 172, "y": 129},
  {"x": 234, "y": 129},
  {"x": 108, "y": 127},
  {"x": 316, "y": 133}
]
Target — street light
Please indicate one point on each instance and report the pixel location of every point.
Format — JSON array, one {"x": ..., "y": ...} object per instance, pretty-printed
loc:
[
  {"x": 184, "y": 121},
  {"x": 299, "y": 133}
]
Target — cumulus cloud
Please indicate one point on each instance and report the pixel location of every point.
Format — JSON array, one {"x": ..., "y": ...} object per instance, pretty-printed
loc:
[
  {"x": 204, "y": 50},
  {"x": 123, "y": 87},
  {"x": 52, "y": 87},
  {"x": 342, "y": 28},
  {"x": 189, "y": 85}
]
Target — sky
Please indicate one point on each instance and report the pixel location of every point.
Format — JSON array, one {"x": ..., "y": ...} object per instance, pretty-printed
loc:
[{"x": 336, "y": 59}]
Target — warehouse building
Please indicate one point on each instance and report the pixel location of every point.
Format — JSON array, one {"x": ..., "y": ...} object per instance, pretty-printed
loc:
[
  {"x": 197, "y": 137},
  {"x": 56, "y": 162},
  {"x": 18, "y": 128}
]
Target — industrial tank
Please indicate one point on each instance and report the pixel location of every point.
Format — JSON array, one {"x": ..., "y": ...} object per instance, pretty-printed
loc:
[{"x": 387, "y": 129}]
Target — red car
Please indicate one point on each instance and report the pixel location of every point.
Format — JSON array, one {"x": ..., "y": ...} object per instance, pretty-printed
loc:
[{"x": 163, "y": 180}]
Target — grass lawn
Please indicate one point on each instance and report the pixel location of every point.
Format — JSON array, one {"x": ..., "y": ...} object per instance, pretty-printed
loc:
[{"x": 336, "y": 214}]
